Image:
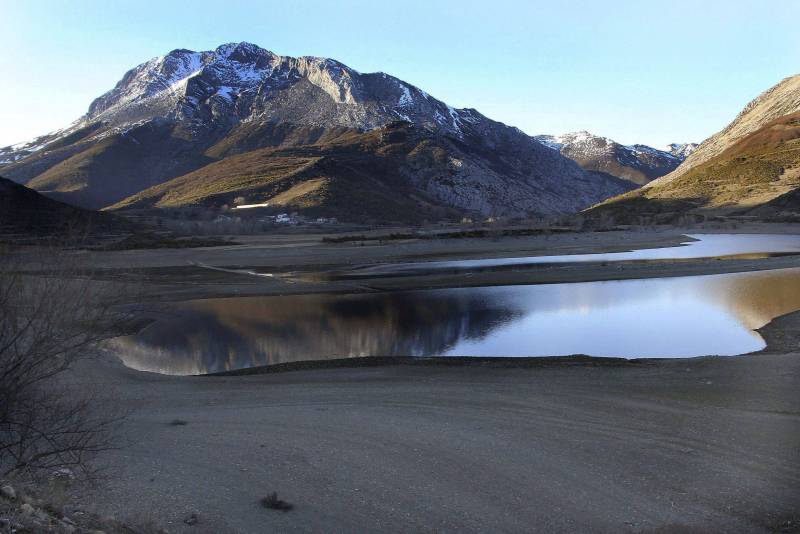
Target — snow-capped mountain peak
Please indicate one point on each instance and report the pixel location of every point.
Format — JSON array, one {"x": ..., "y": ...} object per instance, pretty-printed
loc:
[
  {"x": 238, "y": 83},
  {"x": 638, "y": 163},
  {"x": 681, "y": 150},
  {"x": 175, "y": 114},
  {"x": 241, "y": 82}
]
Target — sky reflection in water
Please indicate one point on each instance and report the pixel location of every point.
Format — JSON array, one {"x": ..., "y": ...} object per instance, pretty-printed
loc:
[{"x": 669, "y": 317}]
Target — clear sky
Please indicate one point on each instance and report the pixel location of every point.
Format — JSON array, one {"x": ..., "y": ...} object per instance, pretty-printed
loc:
[{"x": 642, "y": 71}]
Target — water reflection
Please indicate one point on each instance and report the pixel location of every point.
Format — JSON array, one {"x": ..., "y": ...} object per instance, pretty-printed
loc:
[
  {"x": 671, "y": 317},
  {"x": 697, "y": 246},
  {"x": 221, "y": 334}
]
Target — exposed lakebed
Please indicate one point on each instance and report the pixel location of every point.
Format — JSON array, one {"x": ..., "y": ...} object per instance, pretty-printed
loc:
[
  {"x": 695, "y": 247},
  {"x": 662, "y": 317}
]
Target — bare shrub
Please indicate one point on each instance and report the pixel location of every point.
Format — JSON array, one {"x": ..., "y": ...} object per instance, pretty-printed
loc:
[
  {"x": 51, "y": 315},
  {"x": 272, "y": 502}
]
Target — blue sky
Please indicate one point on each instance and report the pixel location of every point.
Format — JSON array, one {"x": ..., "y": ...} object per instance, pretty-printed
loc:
[{"x": 636, "y": 71}]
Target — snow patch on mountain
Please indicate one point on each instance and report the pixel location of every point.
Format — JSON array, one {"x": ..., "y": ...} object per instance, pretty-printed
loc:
[
  {"x": 642, "y": 150},
  {"x": 587, "y": 144},
  {"x": 681, "y": 150},
  {"x": 16, "y": 152},
  {"x": 405, "y": 97},
  {"x": 638, "y": 163},
  {"x": 180, "y": 83}
]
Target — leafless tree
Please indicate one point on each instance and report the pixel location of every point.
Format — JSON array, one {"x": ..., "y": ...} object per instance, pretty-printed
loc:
[{"x": 52, "y": 314}]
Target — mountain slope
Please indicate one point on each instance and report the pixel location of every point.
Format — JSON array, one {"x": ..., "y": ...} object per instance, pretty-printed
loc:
[
  {"x": 397, "y": 173},
  {"x": 757, "y": 175},
  {"x": 743, "y": 169},
  {"x": 780, "y": 100},
  {"x": 26, "y": 213},
  {"x": 636, "y": 163},
  {"x": 178, "y": 113}
]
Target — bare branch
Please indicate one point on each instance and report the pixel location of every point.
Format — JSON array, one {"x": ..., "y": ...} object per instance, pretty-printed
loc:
[{"x": 49, "y": 319}]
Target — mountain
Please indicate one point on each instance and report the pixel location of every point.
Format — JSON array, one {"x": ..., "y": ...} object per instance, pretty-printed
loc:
[
  {"x": 26, "y": 213},
  {"x": 397, "y": 172},
  {"x": 636, "y": 163},
  {"x": 681, "y": 150},
  {"x": 781, "y": 100},
  {"x": 751, "y": 167},
  {"x": 191, "y": 112}
]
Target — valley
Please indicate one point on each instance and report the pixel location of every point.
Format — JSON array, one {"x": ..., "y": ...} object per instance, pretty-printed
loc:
[{"x": 285, "y": 295}]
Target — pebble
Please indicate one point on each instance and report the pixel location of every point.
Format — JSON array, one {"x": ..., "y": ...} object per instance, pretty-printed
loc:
[
  {"x": 64, "y": 474},
  {"x": 8, "y": 492},
  {"x": 41, "y": 514}
]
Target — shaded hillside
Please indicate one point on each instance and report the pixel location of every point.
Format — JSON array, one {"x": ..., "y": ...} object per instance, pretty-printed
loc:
[
  {"x": 757, "y": 175},
  {"x": 25, "y": 213},
  {"x": 395, "y": 173},
  {"x": 178, "y": 113},
  {"x": 119, "y": 166}
]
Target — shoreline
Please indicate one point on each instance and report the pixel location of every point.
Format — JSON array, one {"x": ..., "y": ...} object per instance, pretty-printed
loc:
[
  {"x": 695, "y": 444},
  {"x": 311, "y": 267},
  {"x": 384, "y": 444}
]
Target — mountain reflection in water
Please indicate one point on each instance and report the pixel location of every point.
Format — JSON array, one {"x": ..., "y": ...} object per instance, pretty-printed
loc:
[
  {"x": 669, "y": 317},
  {"x": 222, "y": 334}
]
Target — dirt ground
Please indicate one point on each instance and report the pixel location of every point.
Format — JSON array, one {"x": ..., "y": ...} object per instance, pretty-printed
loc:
[
  {"x": 680, "y": 445},
  {"x": 698, "y": 445},
  {"x": 303, "y": 263}
]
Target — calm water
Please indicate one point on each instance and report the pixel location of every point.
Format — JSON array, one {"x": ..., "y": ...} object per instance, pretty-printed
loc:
[
  {"x": 697, "y": 246},
  {"x": 671, "y": 317}
]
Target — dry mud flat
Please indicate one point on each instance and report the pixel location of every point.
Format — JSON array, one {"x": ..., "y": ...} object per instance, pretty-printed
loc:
[
  {"x": 303, "y": 263},
  {"x": 700, "y": 445}
]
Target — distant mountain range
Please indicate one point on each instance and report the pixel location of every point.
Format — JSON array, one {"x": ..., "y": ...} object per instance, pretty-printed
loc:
[
  {"x": 636, "y": 163},
  {"x": 241, "y": 124},
  {"x": 751, "y": 167}
]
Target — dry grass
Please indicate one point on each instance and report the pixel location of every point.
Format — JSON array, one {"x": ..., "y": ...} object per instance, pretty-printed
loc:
[
  {"x": 355, "y": 176},
  {"x": 753, "y": 172}
]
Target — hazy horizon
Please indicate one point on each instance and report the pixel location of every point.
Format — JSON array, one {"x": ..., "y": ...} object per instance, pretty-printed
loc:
[{"x": 636, "y": 74}]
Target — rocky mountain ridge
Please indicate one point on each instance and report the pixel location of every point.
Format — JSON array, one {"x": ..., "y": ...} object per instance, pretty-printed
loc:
[
  {"x": 637, "y": 163},
  {"x": 181, "y": 112}
]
